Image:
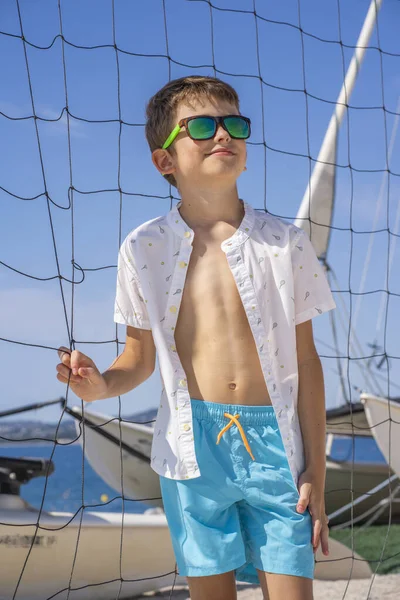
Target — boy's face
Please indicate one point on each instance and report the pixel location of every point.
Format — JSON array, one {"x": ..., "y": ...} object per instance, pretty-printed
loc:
[{"x": 195, "y": 162}]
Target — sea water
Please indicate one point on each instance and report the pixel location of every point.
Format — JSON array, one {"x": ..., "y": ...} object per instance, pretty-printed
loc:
[{"x": 72, "y": 484}]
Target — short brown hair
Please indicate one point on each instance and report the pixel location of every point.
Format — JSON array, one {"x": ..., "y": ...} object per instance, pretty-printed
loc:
[{"x": 162, "y": 107}]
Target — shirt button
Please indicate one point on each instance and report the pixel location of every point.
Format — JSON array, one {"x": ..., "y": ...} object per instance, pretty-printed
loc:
[
  {"x": 186, "y": 427},
  {"x": 182, "y": 264},
  {"x": 183, "y": 382},
  {"x": 187, "y": 234}
]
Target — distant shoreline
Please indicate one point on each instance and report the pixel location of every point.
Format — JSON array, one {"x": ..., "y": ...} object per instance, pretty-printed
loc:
[{"x": 15, "y": 443}]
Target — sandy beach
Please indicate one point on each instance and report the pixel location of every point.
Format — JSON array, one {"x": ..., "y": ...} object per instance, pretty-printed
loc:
[{"x": 383, "y": 587}]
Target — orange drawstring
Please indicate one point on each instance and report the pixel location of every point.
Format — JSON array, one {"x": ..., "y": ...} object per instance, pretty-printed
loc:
[{"x": 234, "y": 419}]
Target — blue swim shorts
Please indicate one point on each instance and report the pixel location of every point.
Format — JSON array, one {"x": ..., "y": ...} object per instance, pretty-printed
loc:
[{"x": 240, "y": 513}]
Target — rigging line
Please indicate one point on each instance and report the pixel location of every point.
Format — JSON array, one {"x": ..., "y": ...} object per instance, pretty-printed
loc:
[
  {"x": 368, "y": 376},
  {"x": 372, "y": 235},
  {"x": 346, "y": 390},
  {"x": 397, "y": 219},
  {"x": 334, "y": 370}
]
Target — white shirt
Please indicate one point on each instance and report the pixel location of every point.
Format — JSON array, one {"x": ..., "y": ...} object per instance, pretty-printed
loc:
[{"x": 281, "y": 284}]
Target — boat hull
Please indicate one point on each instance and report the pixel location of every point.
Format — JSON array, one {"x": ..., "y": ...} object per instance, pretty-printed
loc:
[
  {"x": 91, "y": 558},
  {"x": 383, "y": 417},
  {"x": 344, "y": 484}
]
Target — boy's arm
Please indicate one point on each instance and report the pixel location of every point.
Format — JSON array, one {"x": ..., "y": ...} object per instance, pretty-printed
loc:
[
  {"x": 311, "y": 401},
  {"x": 133, "y": 366},
  {"x": 312, "y": 416}
]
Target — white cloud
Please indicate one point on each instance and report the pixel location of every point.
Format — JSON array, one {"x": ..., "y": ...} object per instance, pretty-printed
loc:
[
  {"x": 60, "y": 126},
  {"x": 57, "y": 127}
]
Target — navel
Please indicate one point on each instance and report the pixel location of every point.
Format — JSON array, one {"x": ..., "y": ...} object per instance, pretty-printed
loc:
[{"x": 232, "y": 386}]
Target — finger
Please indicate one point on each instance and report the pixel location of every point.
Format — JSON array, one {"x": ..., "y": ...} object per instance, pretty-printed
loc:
[
  {"x": 66, "y": 373},
  {"x": 62, "y": 379},
  {"x": 324, "y": 540},
  {"x": 86, "y": 372},
  {"x": 302, "y": 505},
  {"x": 304, "y": 500},
  {"x": 67, "y": 380},
  {"x": 66, "y": 359},
  {"x": 316, "y": 534},
  {"x": 63, "y": 351},
  {"x": 76, "y": 358}
]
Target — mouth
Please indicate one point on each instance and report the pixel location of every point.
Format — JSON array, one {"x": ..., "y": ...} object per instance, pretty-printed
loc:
[{"x": 222, "y": 153}]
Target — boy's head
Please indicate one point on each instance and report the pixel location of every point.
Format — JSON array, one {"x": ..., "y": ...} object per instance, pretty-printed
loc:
[{"x": 191, "y": 160}]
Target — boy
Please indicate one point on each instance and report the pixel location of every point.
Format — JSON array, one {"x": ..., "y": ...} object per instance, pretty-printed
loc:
[{"x": 239, "y": 439}]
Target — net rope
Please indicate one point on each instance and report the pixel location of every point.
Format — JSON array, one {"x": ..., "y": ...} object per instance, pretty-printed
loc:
[{"x": 78, "y": 272}]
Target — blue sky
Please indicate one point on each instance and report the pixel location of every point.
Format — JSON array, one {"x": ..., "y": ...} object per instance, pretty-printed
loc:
[{"x": 32, "y": 309}]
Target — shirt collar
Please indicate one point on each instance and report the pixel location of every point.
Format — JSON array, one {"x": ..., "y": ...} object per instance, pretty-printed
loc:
[{"x": 243, "y": 232}]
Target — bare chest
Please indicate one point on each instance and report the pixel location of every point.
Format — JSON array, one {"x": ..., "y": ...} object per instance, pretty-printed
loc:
[
  {"x": 213, "y": 336},
  {"x": 210, "y": 296}
]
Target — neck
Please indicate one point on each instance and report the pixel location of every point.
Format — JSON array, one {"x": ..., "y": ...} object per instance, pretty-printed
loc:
[{"x": 203, "y": 210}]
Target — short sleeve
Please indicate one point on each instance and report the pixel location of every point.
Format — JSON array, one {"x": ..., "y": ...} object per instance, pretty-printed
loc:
[
  {"x": 130, "y": 308},
  {"x": 312, "y": 294}
]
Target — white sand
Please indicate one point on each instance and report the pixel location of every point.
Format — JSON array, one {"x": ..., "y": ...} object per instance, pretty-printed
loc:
[{"x": 384, "y": 587}]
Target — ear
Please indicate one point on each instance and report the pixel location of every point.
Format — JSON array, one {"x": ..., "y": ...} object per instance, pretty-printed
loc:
[{"x": 163, "y": 161}]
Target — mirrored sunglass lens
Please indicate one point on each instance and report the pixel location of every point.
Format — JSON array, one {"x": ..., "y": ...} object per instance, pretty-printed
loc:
[
  {"x": 237, "y": 127},
  {"x": 201, "y": 128}
]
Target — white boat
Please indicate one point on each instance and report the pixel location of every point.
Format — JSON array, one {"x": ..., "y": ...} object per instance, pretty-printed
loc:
[
  {"x": 383, "y": 417},
  {"x": 110, "y": 457},
  {"x": 44, "y": 555},
  {"x": 348, "y": 480}
]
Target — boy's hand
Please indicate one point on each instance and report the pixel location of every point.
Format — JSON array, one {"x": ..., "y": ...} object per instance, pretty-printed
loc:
[
  {"x": 83, "y": 376},
  {"x": 312, "y": 496}
]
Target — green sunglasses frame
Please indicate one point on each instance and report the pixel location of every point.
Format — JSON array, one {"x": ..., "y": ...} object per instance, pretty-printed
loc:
[{"x": 218, "y": 120}]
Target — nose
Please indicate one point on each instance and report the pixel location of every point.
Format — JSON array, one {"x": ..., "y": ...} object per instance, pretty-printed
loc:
[{"x": 221, "y": 134}]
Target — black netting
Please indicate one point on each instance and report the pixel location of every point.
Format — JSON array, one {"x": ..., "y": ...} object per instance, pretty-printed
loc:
[{"x": 374, "y": 173}]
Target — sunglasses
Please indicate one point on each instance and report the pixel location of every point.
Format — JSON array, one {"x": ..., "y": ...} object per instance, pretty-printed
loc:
[{"x": 204, "y": 127}]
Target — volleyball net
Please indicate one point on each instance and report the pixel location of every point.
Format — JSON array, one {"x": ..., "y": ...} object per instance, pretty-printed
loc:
[{"x": 76, "y": 176}]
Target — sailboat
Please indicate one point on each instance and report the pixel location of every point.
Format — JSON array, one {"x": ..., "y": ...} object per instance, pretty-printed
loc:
[
  {"x": 383, "y": 416},
  {"x": 84, "y": 555},
  {"x": 368, "y": 485},
  {"x": 37, "y": 548}
]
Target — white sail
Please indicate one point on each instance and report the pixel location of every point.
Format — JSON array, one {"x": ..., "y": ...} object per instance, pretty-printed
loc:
[{"x": 316, "y": 209}]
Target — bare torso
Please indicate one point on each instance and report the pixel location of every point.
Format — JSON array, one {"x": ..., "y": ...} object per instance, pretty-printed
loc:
[{"x": 212, "y": 336}]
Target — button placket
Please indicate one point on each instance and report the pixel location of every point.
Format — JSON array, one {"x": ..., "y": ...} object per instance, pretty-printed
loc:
[
  {"x": 182, "y": 412},
  {"x": 176, "y": 291},
  {"x": 251, "y": 305}
]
